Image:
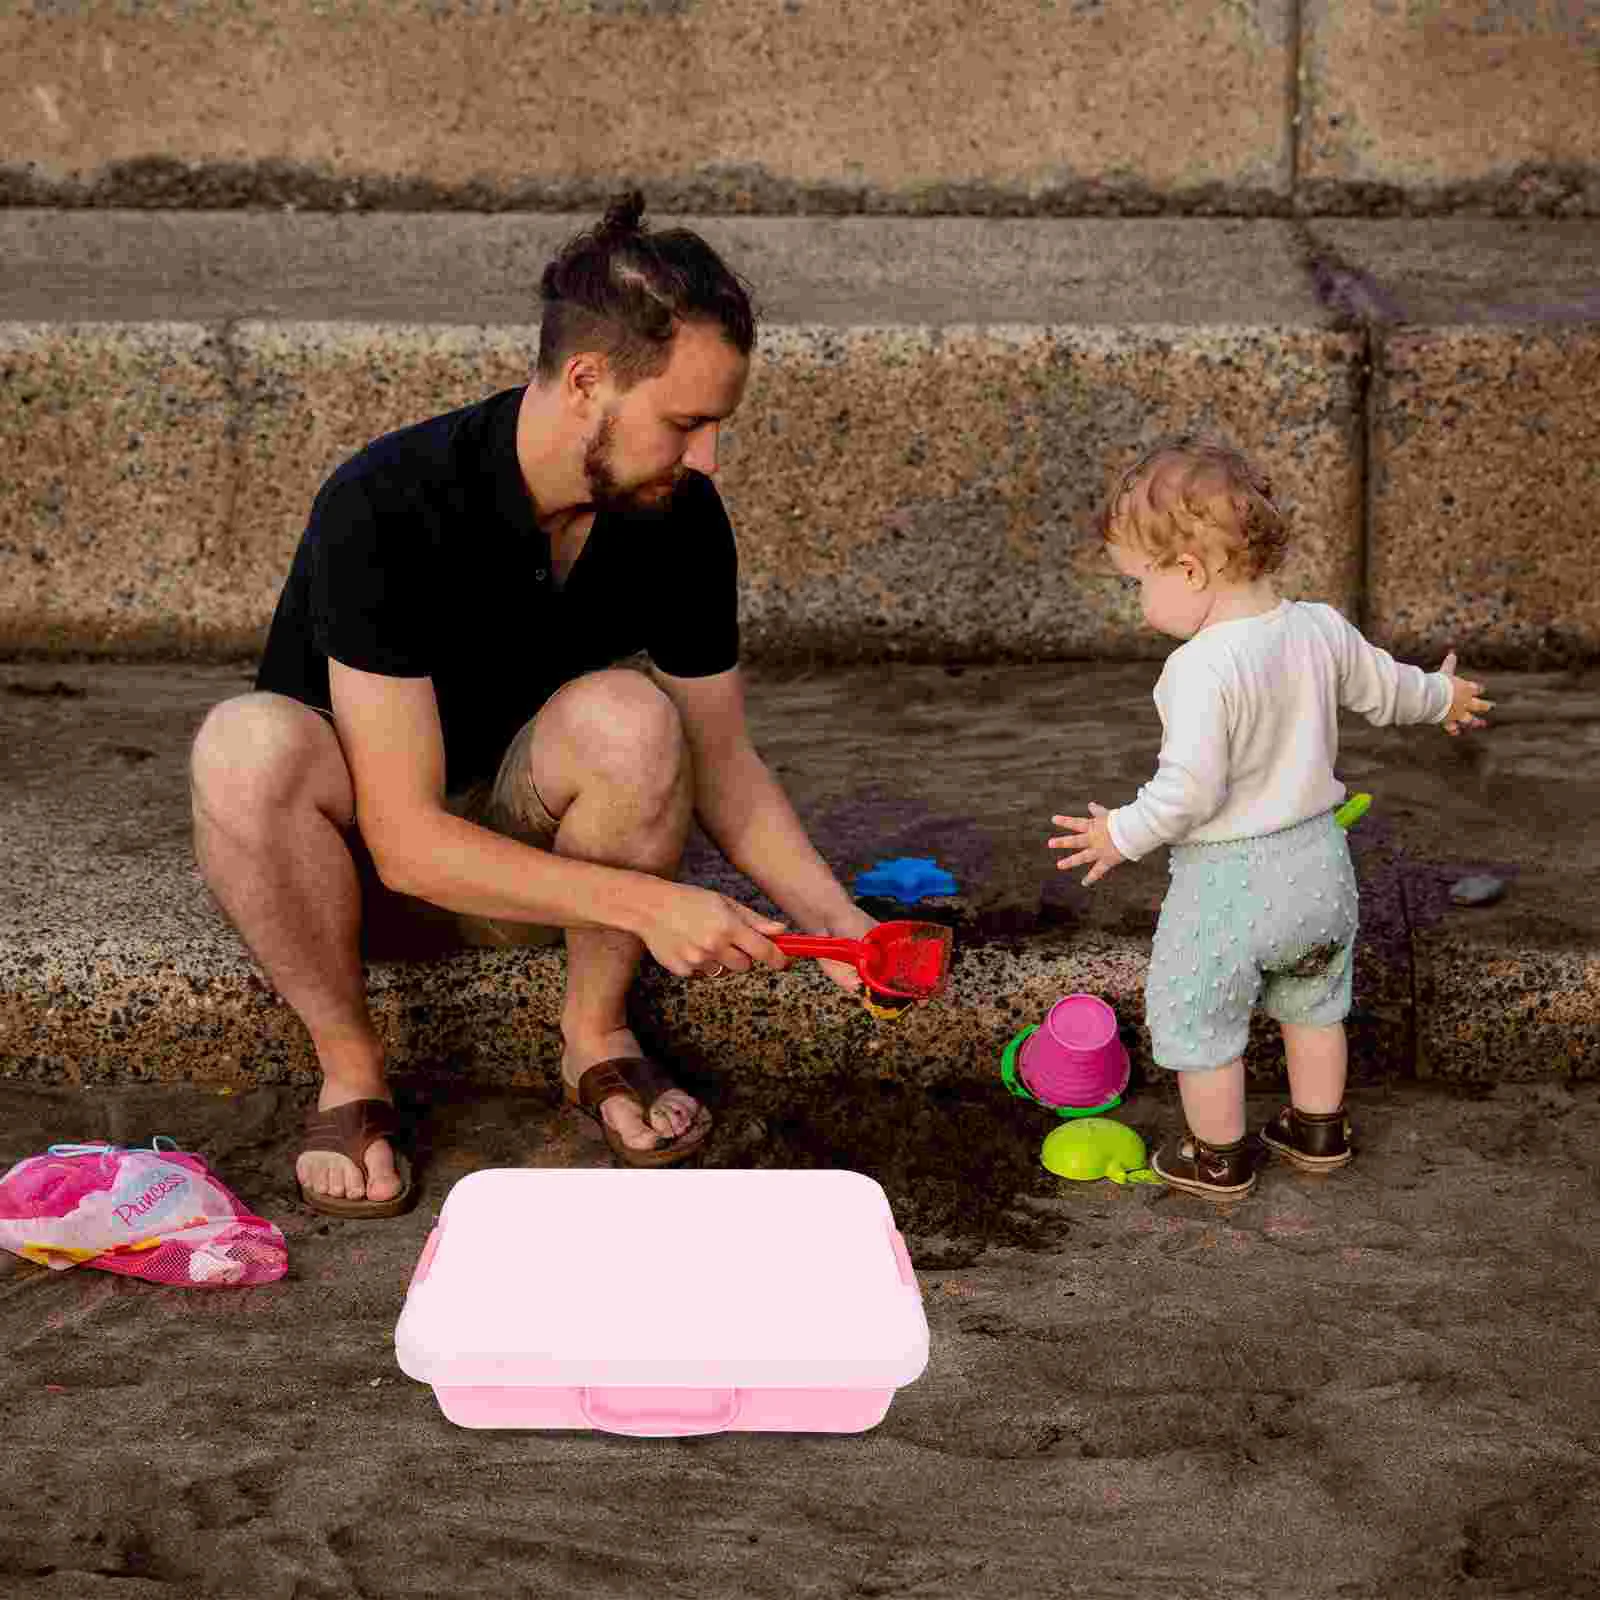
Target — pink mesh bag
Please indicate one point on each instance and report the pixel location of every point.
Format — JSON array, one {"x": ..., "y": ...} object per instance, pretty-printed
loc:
[{"x": 155, "y": 1213}]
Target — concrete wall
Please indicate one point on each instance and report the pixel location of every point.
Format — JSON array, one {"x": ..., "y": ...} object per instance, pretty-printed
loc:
[
  {"x": 917, "y": 485},
  {"x": 765, "y": 105},
  {"x": 954, "y": 106},
  {"x": 939, "y": 397},
  {"x": 1450, "y": 105}
]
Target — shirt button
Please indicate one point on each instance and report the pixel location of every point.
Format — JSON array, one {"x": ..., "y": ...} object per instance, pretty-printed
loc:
[{"x": 540, "y": 575}]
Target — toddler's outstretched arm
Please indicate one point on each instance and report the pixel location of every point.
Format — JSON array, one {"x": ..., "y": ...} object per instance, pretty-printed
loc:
[
  {"x": 1463, "y": 700},
  {"x": 1388, "y": 692},
  {"x": 1091, "y": 837}
]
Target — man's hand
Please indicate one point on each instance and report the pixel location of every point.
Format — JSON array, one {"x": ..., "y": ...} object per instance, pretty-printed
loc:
[
  {"x": 1091, "y": 838},
  {"x": 854, "y": 924},
  {"x": 694, "y": 931},
  {"x": 1462, "y": 700}
]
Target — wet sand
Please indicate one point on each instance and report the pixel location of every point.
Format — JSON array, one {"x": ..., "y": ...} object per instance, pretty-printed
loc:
[{"x": 1371, "y": 1385}]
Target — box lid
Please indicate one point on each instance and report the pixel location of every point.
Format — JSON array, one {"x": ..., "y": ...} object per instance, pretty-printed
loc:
[{"x": 719, "y": 1279}]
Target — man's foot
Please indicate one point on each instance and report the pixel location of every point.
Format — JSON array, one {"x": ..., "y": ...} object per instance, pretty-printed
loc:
[
  {"x": 333, "y": 1176},
  {"x": 1223, "y": 1171},
  {"x": 1314, "y": 1141},
  {"x": 674, "y": 1114}
]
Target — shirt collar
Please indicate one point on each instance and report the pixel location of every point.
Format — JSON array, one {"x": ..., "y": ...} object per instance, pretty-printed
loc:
[{"x": 513, "y": 504}]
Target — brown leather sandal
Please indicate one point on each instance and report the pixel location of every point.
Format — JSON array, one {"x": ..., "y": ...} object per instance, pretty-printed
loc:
[
  {"x": 644, "y": 1083},
  {"x": 348, "y": 1130}
]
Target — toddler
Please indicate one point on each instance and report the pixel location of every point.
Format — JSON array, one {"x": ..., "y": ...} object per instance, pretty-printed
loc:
[{"x": 1262, "y": 903}]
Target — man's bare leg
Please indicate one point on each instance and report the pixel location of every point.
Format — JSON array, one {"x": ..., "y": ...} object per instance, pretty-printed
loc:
[
  {"x": 608, "y": 758},
  {"x": 272, "y": 799}
]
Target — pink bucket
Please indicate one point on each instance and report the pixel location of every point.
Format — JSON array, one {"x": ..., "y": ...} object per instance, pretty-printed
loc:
[{"x": 1077, "y": 1057}]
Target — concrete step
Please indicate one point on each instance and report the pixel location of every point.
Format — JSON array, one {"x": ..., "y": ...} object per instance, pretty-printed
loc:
[
  {"x": 1011, "y": 106},
  {"x": 115, "y": 966},
  {"x": 935, "y": 411}
]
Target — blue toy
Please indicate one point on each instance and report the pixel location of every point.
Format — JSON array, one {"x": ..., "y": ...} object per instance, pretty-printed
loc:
[{"x": 907, "y": 879}]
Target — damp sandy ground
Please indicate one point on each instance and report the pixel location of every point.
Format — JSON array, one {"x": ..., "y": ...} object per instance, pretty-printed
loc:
[{"x": 1379, "y": 1384}]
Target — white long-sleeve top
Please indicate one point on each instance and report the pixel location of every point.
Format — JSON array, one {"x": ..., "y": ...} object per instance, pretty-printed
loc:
[{"x": 1250, "y": 725}]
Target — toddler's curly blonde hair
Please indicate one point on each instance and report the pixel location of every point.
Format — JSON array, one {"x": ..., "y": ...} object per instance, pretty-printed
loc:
[{"x": 1191, "y": 493}]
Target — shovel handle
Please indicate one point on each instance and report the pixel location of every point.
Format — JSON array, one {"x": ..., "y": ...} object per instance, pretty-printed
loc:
[{"x": 802, "y": 944}]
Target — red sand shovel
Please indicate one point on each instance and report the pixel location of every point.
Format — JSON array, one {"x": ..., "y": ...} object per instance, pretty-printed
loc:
[{"x": 898, "y": 961}]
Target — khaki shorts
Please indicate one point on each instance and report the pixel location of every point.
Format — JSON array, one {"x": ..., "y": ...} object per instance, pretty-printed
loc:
[{"x": 399, "y": 926}]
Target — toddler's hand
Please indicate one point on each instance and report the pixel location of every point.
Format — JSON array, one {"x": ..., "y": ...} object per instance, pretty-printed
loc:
[
  {"x": 1091, "y": 838},
  {"x": 1462, "y": 700}
]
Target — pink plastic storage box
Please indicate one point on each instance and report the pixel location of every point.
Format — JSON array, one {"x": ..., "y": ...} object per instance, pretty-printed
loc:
[{"x": 661, "y": 1303}]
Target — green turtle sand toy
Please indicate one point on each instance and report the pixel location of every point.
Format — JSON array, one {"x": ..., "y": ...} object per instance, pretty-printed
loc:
[{"x": 1096, "y": 1147}]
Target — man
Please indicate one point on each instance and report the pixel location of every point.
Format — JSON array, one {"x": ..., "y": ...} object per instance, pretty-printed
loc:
[{"x": 438, "y": 722}]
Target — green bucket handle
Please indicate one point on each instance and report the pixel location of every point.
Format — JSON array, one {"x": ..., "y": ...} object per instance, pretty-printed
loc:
[{"x": 1008, "y": 1073}]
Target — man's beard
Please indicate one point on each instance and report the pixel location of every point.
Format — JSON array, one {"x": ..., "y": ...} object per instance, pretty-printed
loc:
[{"x": 605, "y": 493}]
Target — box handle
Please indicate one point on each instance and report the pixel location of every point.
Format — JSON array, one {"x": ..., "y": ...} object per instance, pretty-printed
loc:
[
  {"x": 659, "y": 1413},
  {"x": 902, "y": 1257},
  {"x": 425, "y": 1260}
]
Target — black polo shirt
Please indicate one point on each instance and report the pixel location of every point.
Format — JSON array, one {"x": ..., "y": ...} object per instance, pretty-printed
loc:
[{"x": 422, "y": 559}]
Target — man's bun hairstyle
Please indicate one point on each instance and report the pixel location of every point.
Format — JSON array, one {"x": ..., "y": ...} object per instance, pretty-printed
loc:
[
  {"x": 621, "y": 290},
  {"x": 624, "y": 216}
]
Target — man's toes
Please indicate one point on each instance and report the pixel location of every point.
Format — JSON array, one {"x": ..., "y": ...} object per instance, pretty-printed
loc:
[
  {"x": 623, "y": 1115},
  {"x": 645, "y": 1133},
  {"x": 674, "y": 1113},
  {"x": 670, "y": 1116},
  {"x": 383, "y": 1181},
  {"x": 667, "y": 1118},
  {"x": 309, "y": 1172},
  {"x": 332, "y": 1175},
  {"x": 338, "y": 1178}
]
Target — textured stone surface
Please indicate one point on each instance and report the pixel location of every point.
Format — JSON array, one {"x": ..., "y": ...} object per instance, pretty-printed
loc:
[
  {"x": 930, "y": 494},
  {"x": 1483, "y": 466},
  {"x": 915, "y": 492},
  {"x": 1484, "y": 441},
  {"x": 309, "y": 395},
  {"x": 1459, "y": 271},
  {"x": 140, "y": 266},
  {"x": 116, "y": 482},
  {"x": 934, "y": 414},
  {"x": 1512, "y": 990},
  {"x": 1491, "y": 104},
  {"x": 484, "y": 269},
  {"x": 115, "y": 967},
  {"x": 712, "y": 104}
]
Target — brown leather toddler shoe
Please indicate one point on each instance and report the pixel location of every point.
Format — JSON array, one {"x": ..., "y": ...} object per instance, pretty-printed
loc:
[
  {"x": 1315, "y": 1141},
  {"x": 1224, "y": 1171}
]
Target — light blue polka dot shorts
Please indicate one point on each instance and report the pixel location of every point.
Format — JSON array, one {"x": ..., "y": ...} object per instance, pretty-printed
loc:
[{"x": 1271, "y": 919}]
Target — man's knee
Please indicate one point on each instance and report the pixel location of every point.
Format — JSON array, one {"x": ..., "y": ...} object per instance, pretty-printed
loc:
[
  {"x": 623, "y": 728},
  {"x": 259, "y": 753}
]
